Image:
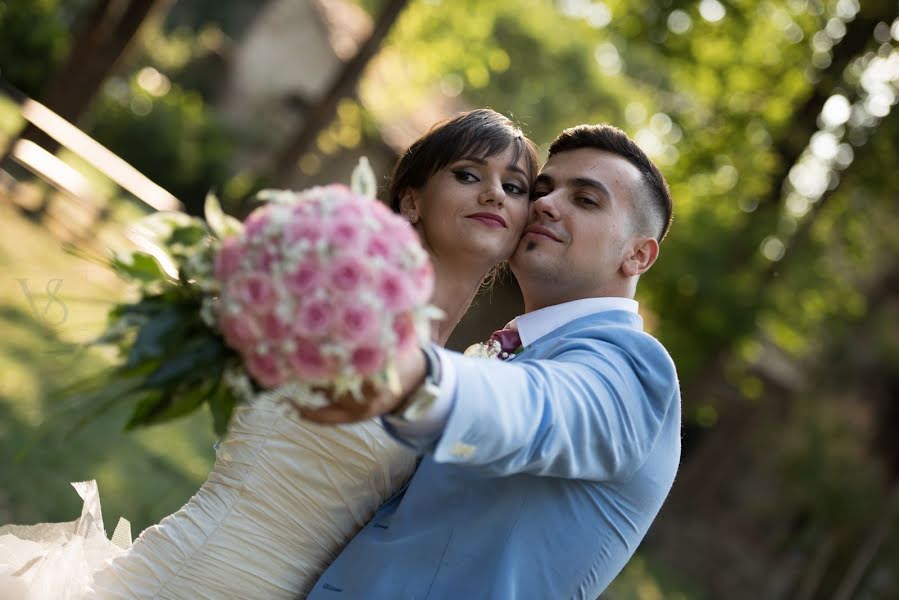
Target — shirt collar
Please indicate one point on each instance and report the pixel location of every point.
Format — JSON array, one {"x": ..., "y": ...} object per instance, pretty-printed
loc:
[{"x": 534, "y": 325}]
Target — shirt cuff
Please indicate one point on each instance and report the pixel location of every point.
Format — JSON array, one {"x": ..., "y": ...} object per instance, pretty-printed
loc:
[{"x": 424, "y": 430}]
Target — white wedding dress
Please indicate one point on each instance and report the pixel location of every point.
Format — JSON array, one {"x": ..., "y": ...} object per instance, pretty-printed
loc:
[{"x": 283, "y": 499}]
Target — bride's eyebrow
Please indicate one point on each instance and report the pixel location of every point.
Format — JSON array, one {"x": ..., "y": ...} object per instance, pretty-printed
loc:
[{"x": 482, "y": 161}]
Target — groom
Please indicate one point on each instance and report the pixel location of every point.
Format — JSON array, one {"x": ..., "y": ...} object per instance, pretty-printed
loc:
[{"x": 541, "y": 474}]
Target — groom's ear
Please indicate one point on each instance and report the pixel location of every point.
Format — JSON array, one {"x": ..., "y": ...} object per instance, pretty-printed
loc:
[{"x": 644, "y": 252}]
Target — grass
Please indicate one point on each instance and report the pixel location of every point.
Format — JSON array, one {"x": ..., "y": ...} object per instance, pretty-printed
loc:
[{"x": 51, "y": 302}]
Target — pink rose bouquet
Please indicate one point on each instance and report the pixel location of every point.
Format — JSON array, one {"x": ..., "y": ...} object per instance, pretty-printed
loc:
[
  {"x": 320, "y": 288},
  {"x": 316, "y": 289}
]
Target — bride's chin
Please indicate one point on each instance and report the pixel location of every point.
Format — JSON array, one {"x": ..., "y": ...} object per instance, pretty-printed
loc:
[
  {"x": 495, "y": 249},
  {"x": 491, "y": 254}
]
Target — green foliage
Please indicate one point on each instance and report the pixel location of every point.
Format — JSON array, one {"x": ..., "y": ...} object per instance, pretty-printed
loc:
[
  {"x": 143, "y": 475},
  {"x": 33, "y": 42},
  {"x": 170, "y": 137},
  {"x": 171, "y": 360}
]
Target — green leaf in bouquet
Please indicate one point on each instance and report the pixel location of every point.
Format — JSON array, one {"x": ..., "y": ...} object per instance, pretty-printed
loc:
[
  {"x": 189, "y": 235},
  {"x": 221, "y": 405},
  {"x": 198, "y": 353},
  {"x": 156, "y": 228},
  {"x": 221, "y": 224},
  {"x": 159, "y": 406},
  {"x": 139, "y": 266},
  {"x": 151, "y": 404},
  {"x": 156, "y": 335}
]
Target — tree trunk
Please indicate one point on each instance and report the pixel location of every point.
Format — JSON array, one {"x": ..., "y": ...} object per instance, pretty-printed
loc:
[
  {"x": 817, "y": 569},
  {"x": 322, "y": 113},
  {"x": 869, "y": 548},
  {"x": 102, "y": 39}
]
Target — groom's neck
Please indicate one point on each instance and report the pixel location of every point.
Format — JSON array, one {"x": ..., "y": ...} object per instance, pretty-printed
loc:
[{"x": 552, "y": 295}]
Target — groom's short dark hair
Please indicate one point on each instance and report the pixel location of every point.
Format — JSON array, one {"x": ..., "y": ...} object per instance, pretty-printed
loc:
[{"x": 654, "y": 216}]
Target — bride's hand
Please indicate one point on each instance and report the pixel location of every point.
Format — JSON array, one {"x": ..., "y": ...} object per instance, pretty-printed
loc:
[{"x": 376, "y": 401}]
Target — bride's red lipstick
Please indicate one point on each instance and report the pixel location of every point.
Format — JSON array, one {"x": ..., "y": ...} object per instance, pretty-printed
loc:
[{"x": 489, "y": 219}]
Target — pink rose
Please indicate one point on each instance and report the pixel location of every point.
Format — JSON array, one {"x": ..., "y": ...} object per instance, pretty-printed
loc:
[
  {"x": 304, "y": 228},
  {"x": 423, "y": 283},
  {"x": 256, "y": 223},
  {"x": 304, "y": 277},
  {"x": 367, "y": 360},
  {"x": 354, "y": 210},
  {"x": 404, "y": 329},
  {"x": 239, "y": 330},
  {"x": 265, "y": 369},
  {"x": 227, "y": 261},
  {"x": 349, "y": 273},
  {"x": 307, "y": 361},
  {"x": 303, "y": 210},
  {"x": 405, "y": 233},
  {"x": 358, "y": 322},
  {"x": 378, "y": 246},
  {"x": 254, "y": 290},
  {"x": 273, "y": 328},
  {"x": 345, "y": 235},
  {"x": 266, "y": 259},
  {"x": 393, "y": 291},
  {"x": 314, "y": 318}
]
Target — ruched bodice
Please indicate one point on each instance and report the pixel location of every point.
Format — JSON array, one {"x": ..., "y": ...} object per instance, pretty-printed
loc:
[{"x": 283, "y": 499}]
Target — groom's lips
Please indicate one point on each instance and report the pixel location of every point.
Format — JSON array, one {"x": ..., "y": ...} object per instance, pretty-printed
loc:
[
  {"x": 537, "y": 231},
  {"x": 489, "y": 219}
]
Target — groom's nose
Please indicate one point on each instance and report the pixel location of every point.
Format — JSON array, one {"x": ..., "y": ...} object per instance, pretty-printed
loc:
[{"x": 546, "y": 207}]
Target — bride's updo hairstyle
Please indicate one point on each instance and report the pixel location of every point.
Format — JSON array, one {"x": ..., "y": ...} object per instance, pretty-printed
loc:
[{"x": 480, "y": 133}]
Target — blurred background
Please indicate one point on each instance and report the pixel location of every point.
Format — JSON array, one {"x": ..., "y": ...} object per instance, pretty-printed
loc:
[{"x": 777, "y": 290}]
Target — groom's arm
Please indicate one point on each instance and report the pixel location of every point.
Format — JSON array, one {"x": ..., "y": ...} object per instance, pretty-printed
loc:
[{"x": 592, "y": 412}]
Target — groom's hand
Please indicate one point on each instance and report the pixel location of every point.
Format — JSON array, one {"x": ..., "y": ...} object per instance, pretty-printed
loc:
[{"x": 346, "y": 408}]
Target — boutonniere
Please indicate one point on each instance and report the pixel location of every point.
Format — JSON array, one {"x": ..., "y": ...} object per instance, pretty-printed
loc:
[{"x": 503, "y": 344}]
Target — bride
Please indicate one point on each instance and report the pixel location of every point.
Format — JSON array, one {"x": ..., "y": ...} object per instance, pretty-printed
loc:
[{"x": 285, "y": 496}]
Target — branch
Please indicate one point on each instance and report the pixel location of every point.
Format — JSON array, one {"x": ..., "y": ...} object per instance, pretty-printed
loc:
[{"x": 345, "y": 85}]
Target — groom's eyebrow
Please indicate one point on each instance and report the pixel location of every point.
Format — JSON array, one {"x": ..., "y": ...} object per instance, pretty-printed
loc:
[
  {"x": 582, "y": 182},
  {"x": 545, "y": 179}
]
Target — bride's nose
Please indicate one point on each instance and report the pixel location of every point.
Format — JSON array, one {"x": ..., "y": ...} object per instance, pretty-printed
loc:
[{"x": 492, "y": 193}]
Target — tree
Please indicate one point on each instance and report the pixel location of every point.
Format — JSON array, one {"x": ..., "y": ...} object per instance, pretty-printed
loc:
[
  {"x": 104, "y": 35},
  {"x": 322, "y": 113}
]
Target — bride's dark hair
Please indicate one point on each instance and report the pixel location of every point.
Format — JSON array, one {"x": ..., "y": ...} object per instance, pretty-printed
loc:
[{"x": 482, "y": 133}]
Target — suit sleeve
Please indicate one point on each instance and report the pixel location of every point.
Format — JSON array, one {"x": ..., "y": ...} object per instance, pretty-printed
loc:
[{"x": 594, "y": 411}]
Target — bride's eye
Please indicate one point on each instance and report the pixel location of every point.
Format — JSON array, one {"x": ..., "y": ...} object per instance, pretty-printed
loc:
[
  {"x": 514, "y": 188},
  {"x": 464, "y": 176}
]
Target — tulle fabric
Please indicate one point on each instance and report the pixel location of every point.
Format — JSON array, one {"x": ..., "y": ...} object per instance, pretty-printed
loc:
[
  {"x": 283, "y": 499},
  {"x": 58, "y": 560}
]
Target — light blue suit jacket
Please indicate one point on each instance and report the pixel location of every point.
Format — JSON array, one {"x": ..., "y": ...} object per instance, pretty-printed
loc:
[{"x": 545, "y": 479}]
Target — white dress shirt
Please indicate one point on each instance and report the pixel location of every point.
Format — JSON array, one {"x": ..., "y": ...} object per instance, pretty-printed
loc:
[{"x": 531, "y": 327}]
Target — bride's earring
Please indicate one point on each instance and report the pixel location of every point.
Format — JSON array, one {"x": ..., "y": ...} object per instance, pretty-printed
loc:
[{"x": 412, "y": 216}]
